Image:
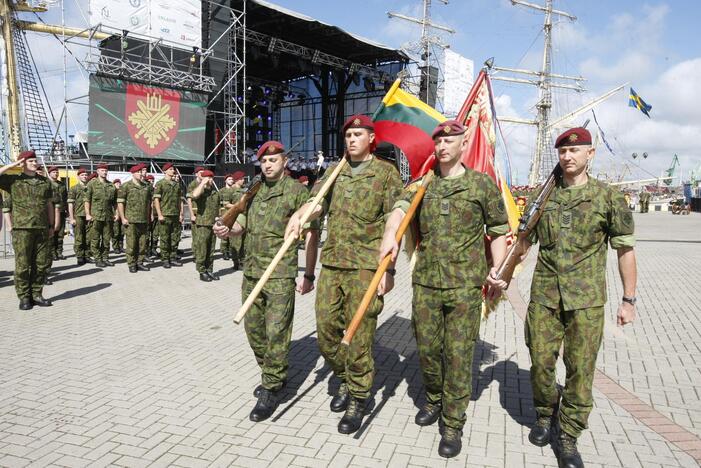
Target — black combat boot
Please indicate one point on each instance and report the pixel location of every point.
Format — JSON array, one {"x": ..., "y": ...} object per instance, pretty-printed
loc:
[
  {"x": 225, "y": 256},
  {"x": 108, "y": 263},
  {"x": 175, "y": 262},
  {"x": 41, "y": 302},
  {"x": 340, "y": 401},
  {"x": 25, "y": 304},
  {"x": 100, "y": 264},
  {"x": 267, "y": 402},
  {"x": 428, "y": 414},
  {"x": 133, "y": 269},
  {"x": 81, "y": 261},
  {"x": 351, "y": 421},
  {"x": 142, "y": 267},
  {"x": 541, "y": 431},
  {"x": 451, "y": 443},
  {"x": 166, "y": 264},
  {"x": 205, "y": 277},
  {"x": 213, "y": 276},
  {"x": 567, "y": 454}
]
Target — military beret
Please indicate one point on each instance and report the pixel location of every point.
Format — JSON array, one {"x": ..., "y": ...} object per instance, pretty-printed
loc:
[
  {"x": 238, "y": 175},
  {"x": 359, "y": 121},
  {"x": 207, "y": 173},
  {"x": 103, "y": 166},
  {"x": 52, "y": 169},
  {"x": 303, "y": 179},
  {"x": 270, "y": 147},
  {"x": 167, "y": 166},
  {"x": 92, "y": 176},
  {"x": 448, "y": 128},
  {"x": 29, "y": 154},
  {"x": 135, "y": 168},
  {"x": 149, "y": 177},
  {"x": 82, "y": 170},
  {"x": 198, "y": 169},
  {"x": 574, "y": 137},
  {"x": 116, "y": 181}
]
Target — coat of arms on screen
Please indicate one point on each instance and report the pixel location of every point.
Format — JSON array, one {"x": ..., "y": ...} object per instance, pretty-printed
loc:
[{"x": 152, "y": 117}]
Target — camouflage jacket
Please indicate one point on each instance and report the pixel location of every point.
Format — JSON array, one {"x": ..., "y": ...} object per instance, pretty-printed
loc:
[
  {"x": 30, "y": 196},
  {"x": 101, "y": 196},
  {"x": 61, "y": 195},
  {"x": 265, "y": 222},
  {"x": 357, "y": 208},
  {"x": 169, "y": 194},
  {"x": 573, "y": 231},
  {"x": 229, "y": 195},
  {"x": 191, "y": 188},
  {"x": 6, "y": 202},
  {"x": 207, "y": 206},
  {"x": 136, "y": 197},
  {"x": 76, "y": 195},
  {"x": 452, "y": 219}
]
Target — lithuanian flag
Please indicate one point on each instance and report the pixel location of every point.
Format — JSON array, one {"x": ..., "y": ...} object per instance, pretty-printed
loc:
[{"x": 407, "y": 122}]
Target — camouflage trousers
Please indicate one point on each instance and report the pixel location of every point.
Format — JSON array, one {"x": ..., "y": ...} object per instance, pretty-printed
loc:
[
  {"x": 80, "y": 231},
  {"x": 446, "y": 325},
  {"x": 32, "y": 260},
  {"x": 203, "y": 248},
  {"x": 269, "y": 327},
  {"x": 339, "y": 293},
  {"x": 169, "y": 229},
  {"x": 136, "y": 243},
  {"x": 117, "y": 235},
  {"x": 153, "y": 234},
  {"x": 644, "y": 207},
  {"x": 232, "y": 245},
  {"x": 581, "y": 331},
  {"x": 57, "y": 239},
  {"x": 100, "y": 235}
]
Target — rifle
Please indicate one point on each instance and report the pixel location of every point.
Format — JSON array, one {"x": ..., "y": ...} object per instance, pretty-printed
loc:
[
  {"x": 526, "y": 225},
  {"x": 239, "y": 207}
]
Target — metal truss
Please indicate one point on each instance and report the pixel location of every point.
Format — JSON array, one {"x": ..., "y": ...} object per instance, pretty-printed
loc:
[{"x": 235, "y": 85}]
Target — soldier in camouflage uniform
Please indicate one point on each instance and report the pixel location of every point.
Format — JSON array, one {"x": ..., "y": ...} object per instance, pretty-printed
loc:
[
  {"x": 134, "y": 204},
  {"x": 7, "y": 211},
  {"x": 100, "y": 197},
  {"x": 207, "y": 201},
  {"x": 117, "y": 231},
  {"x": 62, "y": 193},
  {"x": 153, "y": 231},
  {"x": 362, "y": 197},
  {"x": 230, "y": 194},
  {"x": 459, "y": 206},
  {"x": 568, "y": 292},
  {"x": 76, "y": 216},
  {"x": 33, "y": 224},
  {"x": 644, "y": 198},
  {"x": 168, "y": 202},
  {"x": 193, "y": 208},
  {"x": 269, "y": 321}
]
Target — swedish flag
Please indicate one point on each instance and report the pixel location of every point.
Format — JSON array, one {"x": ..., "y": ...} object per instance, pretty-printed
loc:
[{"x": 636, "y": 101}]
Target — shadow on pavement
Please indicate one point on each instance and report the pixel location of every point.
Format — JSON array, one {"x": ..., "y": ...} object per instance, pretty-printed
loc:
[
  {"x": 75, "y": 274},
  {"x": 80, "y": 291}
]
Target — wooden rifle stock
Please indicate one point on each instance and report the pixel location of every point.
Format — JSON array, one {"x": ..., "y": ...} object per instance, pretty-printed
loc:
[
  {"x": 239, "y": 207},
  {"x": 527, "y": 223}
]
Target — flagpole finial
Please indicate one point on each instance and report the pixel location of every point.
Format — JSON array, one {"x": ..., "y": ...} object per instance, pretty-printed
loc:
[{"x": 489, "y": 63}]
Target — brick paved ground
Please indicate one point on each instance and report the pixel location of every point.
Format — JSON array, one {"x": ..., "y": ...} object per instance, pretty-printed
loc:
[{"x": 148, "y": 369}]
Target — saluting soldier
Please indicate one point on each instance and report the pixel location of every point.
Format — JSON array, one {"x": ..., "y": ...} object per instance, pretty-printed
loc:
[
  {"x": 168, "y": 202},
  {"x": 100, "y": 197},
  {"x": 193, "y": 208},
  {"x": 459, "y": 206},
  {"x": 230, "y": 194},
  {"x": 32, "y": 227},
  {"x": 62, "y": 193},
  {"x": 76, "y": 216},
  {"x": 117, "y": 231},
  {"x": 362, "y": 197},
  {"x": 206, "y": 199},
  {"x": 269, "y": 321},
  {"x": 568, "y": 292},
  {"x": 134, "y": 205}
]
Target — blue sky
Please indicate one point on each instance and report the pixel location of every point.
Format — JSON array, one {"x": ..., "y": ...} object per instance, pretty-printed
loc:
[{"x": 654, "y": 46}]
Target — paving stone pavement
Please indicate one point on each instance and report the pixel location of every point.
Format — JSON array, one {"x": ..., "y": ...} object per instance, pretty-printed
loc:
[{"x": 148, "y": 369}]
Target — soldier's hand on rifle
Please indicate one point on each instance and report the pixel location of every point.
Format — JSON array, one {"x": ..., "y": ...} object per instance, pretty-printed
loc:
[
  {"x": 220, "y": 230},
  {"x": 386, "y": 284},
  {"x": 626, "y": 314},
  {"x": 293, "y": 227}
]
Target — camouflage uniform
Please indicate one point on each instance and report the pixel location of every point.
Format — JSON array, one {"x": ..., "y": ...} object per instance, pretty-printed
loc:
[
  {"x": 117, "y": 231},
  {"x": 568, "y": 294},
  {"x": 358, "y": 204},
  {"x": 232, "y": 246},
  {"x": 188, "y": 196},
  {"x": 207, "y": 210},
  {"x": 447, "y": 283},
  {"x": 101, "y": 196},
  {"x": 644, "y": 201},
  {"x": 136, "y": 197},
  {"x": 30, "y": 237},
  {"x": 76, "y": 195},
  {"x": 169, "y": 194},
  {"x": 269, "y": 321},
  {"x": 62, "y": 196}
]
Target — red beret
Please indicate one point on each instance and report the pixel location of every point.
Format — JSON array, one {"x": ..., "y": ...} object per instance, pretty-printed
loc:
[
  {"x": 29, "y": 154},
  {"x": 149, "y": 177},
  {"x": 448, "y": 128},
  {"x": 116, "y": 181},
  {"x": 198, "y": 169},
  {"x": 135, "y": 168},
  {"x": 574, "y": 137},
  {"x": 167, "y": 166},
  {"x": 103, "y": 166},
  {"x": 52, "y": 169},
  {"x": 207, "y": 173},
  {"x": 359, "y": 121},
  {"x": 303, "y": 179},
  {"x": 92, "y": 176},
  {"x": 82, "y": 170},
  {"x": 270, "y": 147},
  {"x": 238, "y": 175}
]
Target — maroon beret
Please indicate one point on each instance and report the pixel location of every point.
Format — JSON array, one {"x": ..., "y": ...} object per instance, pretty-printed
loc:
[
  {"x": 29, "y": 154},
  {"x": 102, "y": 166},
  {"x": 270, "y": 147},
  {"x": 167, "y": 166},
  {"x": 92, "y": 176},
  {"x": 303, "y": 179},
  {"x": 82, "y": 170},
  {"x": 238, "y": 175},
  {"x": 198, "y": 169},
  {"x": 52, "y": 169},
  {"x": 359, "y": 121},
  {"x": 577, "y": 136},
  {"x": 135, "y": 168},
  {"x": 207, "y": 173},
  {"x": 448, "y": 128},
  {"x": 116, "y": 181},
  {"x": 149, "y": 177}
]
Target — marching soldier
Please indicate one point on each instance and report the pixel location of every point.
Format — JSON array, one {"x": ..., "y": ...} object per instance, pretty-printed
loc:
[
  {"x": 167, "y": 200},
  {"x": 134, "y": 205},
  {"x": 207, "y": 201},
  {"x": 644, "y": 198},
  {"x": 62, "y": 193},
  {"x": 193, "y": 208},
  {"x": 100, "y": 197},
  {"x": 32, "y": 228},
  {"x": 229, "y": 195},
  {"x": 117, "y": 231},
  {"x": 362, "y": 197},
  {"x": 568, "y": 292},
  {"x": 76, "y": 216},
  {"x": 451, "y": 268},
  {"x": 269, "y": 321}
]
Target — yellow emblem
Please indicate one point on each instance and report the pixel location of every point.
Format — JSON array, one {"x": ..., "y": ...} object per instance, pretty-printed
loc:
[
  {"x": 447, "y": 129},
  {"x": 356, "y": 122},
  {"x": 152, "y": 120},
  {"x": 574, "y": 137}
]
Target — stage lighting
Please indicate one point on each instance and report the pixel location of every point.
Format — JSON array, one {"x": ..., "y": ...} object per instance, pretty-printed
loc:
[
  {"x": 267, "y": 91},
  {"x": 635, "y": 155},
  {"x": 124, "y": 44}
]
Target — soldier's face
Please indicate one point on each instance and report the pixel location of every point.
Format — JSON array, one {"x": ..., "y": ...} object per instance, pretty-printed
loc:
[
  {"x": 53, "y": 175},
  {"x": 229, "y": 181},
  {"x": 199, "y": 175},
  {"x": 117, "y": 185},
  {"x": 31, "y": 164},
  {"x": 102, "y": 173},
  {"x": 273, "y": 166},
  {"x": 239, "y": 183},
  {"x": 171, "y": 172},
  {"x": 137, "y": 176},
  {"x": 358, "y": 141},
  {"x": 83, "y": 177},
  {"x": 574, "y": 159},
  {"x": 449, "y": 148}
]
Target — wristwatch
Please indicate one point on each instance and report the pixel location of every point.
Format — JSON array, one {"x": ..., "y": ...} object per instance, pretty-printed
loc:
[
  {"x": 310, "y": 277},
  {"x": 391, "y": 271},
  {"x": 630, "y": 300}
]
